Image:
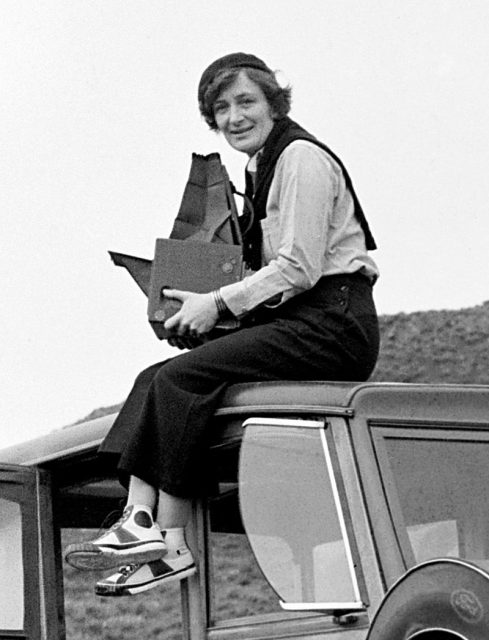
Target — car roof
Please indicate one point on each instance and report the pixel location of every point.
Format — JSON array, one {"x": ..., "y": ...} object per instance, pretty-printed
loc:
[{"x": 381, "y": 399}]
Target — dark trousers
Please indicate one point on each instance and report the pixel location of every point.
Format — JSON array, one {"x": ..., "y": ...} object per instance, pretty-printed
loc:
[{"x": 161, "y": 434}]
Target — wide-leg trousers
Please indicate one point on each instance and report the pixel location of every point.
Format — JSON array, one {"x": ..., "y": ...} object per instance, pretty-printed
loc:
[{"x": 162, "y": 431}]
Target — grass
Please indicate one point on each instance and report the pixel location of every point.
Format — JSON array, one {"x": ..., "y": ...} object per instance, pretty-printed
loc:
[
  {"x": 240, "y": 590},
  {"x": 153, "y": 615}
]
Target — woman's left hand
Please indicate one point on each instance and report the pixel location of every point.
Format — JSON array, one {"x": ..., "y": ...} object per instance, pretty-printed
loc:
[{"x": 197, "y": 315}]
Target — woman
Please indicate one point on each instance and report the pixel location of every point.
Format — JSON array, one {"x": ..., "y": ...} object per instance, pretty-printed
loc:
[{"x": 306, "y": 312}]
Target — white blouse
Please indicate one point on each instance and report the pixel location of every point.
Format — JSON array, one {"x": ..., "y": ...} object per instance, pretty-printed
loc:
[{"x": 310, "y": 231}]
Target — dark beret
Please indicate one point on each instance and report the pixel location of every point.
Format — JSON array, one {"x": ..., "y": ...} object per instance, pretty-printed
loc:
[{"x": 232, "y": 60}]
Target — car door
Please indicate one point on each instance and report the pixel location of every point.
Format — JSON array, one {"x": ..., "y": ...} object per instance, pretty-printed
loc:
[{"x": 30, "y": 604}]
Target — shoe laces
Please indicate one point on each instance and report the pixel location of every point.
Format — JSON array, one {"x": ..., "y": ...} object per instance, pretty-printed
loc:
[
  {"x": 113, "y": 520},
  {"x": 121, "y": 520},
  {"x": 128, "y": 569}
]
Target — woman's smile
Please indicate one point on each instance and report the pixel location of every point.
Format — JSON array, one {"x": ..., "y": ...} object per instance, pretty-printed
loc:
[
  {"x": 241, "y": 134},
  {"x": 238, "y": 132}
]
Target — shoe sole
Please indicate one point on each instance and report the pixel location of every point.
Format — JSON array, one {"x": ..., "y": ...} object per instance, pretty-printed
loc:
[
  {"x": 117, "y": 590},
  {"x": 89, "y": 557}
]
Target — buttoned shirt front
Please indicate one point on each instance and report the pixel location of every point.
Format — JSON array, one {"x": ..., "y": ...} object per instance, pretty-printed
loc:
[{"x": 310, "y": 231}]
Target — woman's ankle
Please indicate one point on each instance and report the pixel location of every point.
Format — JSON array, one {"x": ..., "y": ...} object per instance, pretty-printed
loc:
[
  {"x": 173, "y": 512},
  {"x": 140, "y": 492}
]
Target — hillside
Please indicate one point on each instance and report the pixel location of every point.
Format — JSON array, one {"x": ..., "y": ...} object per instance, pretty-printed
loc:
[
  {"x": 435, "y": 346},
  {"x": 424, "y": 346}
]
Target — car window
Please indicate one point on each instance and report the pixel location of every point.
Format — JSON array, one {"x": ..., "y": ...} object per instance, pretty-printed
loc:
[
  {"x": 293, "y": 516},
  {"x": 11, "y": 561},
  {"x": 437, "y": 486}
]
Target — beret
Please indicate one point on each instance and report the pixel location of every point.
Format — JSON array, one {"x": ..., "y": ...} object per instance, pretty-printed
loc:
[{"x": 231, "y": 60}]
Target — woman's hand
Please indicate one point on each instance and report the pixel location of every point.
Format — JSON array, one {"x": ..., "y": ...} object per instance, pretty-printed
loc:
[
  {"x": 197, "y": 315},
  {"x": 185, "y": 342}
]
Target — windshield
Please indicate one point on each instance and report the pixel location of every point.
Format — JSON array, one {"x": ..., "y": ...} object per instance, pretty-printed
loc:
[{"x": 438, "y": 492}]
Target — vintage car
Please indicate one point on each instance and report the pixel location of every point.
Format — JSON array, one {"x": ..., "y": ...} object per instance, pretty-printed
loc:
[{"x": 366, "y": 507}]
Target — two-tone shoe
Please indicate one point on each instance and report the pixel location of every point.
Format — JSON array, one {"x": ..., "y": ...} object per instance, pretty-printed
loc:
[
  {"x": 136, "y": 578},
  {"x": 134, "y": 538}
]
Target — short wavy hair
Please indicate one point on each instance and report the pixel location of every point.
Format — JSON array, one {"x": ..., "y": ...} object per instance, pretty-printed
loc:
[{"x": 279, "y": 98}]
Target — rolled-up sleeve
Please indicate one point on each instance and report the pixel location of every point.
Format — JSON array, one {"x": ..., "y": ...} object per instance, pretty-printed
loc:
[{"x": 299, "y": 208}]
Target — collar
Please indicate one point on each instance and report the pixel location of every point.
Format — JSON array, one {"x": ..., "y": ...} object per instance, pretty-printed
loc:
[{"x": 252, "y": 165}]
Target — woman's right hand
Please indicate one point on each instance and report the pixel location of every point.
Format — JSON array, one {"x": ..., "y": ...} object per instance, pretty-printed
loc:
[{"x": 196, "y": 317}]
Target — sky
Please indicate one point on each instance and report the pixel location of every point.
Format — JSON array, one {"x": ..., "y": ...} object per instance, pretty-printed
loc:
[{"x": 98, "y": 122}]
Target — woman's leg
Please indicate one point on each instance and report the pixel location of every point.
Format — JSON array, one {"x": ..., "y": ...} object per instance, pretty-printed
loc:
[
  {"x": 141, "y": 493},
  {"x": 134, "y": 538},
  {"x": 169, "y": 443},
  {"x": 162, "y": 432},
  {"x": 177, "y": 562},
  {"x": 333, "y": 338},
  {"x": 151, "y": 553},
  {"x": 173, "y": 512}
]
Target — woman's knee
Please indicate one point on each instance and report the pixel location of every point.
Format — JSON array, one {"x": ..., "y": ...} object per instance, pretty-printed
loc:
[
  {"x": 196, "y": 371},
  {"x": 177, "y": 368},
  {"x": 145, "y": 376}
]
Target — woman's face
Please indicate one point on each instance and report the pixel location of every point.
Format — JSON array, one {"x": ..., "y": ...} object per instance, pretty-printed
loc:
[{"x": 243, "y": 115}]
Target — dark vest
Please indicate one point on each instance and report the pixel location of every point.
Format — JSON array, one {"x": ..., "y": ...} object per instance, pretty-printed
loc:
[{"x": 283, "y": 133}]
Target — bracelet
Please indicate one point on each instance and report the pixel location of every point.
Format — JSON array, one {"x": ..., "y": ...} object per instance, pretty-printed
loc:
[{"x": 220, "y": 304}]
